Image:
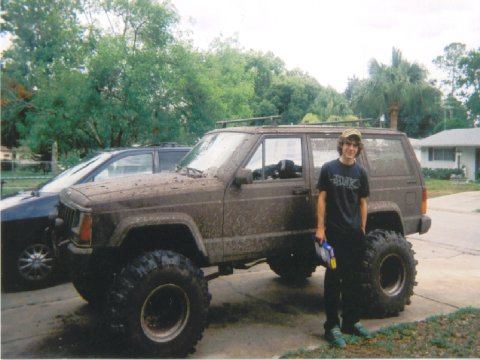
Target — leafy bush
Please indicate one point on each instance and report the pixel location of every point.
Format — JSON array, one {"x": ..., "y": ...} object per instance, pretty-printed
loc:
[{"x": 441, "y": 173}]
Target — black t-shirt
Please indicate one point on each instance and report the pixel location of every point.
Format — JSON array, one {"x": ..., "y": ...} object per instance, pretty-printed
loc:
[{"x": 345, "y": 185}]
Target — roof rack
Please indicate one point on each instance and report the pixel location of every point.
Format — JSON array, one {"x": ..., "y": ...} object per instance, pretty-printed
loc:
[
  {"x": 251, "y": 121},
  {"x": 359, "y": 122}
]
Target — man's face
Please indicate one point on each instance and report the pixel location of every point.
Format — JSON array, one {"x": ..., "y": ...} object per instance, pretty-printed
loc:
[{"x": 350, "y": 148}]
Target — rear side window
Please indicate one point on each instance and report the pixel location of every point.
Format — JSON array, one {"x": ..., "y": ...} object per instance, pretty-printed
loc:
[{"x": 386, "y": 157}]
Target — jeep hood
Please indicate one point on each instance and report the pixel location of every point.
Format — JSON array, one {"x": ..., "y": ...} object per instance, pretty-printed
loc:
[{"x": 130, "y": 191}]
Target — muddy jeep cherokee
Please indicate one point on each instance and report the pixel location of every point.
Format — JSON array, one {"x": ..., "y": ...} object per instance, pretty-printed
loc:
[{"x": 135, "y": 247}]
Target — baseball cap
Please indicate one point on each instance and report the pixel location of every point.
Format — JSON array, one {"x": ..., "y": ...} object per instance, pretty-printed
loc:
[{"x": 352, "y": 132}]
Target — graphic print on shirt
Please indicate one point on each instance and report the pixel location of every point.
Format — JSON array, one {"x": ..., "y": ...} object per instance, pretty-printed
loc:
[{"x": 345, "y": 181}]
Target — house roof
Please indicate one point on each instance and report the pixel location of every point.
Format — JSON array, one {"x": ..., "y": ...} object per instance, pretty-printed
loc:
[{"x": 453, "y": 137}]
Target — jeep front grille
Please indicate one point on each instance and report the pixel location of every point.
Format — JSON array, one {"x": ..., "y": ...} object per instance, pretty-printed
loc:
[{"x": 69, "y": 216}]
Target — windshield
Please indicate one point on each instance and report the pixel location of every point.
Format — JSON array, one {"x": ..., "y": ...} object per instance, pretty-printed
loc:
[
  {"x": 211, "y": 153},
  {"x": 74, "y": 174}
]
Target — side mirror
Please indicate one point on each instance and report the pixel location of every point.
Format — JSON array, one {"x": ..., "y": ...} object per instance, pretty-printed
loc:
[{"x": 243, "y": 176}]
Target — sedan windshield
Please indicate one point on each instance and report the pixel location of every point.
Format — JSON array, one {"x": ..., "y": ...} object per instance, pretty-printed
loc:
[
  {"x": 71, "y": 176},
  {"x": 211, "y": 153}
]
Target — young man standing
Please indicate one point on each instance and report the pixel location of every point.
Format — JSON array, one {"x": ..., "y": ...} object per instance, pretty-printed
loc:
[{"x": 342, "y": 218}]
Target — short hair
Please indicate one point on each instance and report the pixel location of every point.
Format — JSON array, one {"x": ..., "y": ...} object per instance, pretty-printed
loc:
[{"x": 342, "y": 140}]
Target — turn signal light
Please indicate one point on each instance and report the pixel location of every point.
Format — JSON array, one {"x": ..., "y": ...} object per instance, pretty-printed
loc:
[{"x": 85, "y": 229}]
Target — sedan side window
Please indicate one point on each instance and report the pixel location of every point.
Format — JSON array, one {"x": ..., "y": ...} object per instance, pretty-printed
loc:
[
  {"x": 169, "y": 159},
  {"x": 277, "y": 158},
  {"x": 129, "y": 165}
]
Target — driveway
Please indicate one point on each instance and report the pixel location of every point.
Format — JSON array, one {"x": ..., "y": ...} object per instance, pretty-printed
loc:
[{"x": 253, "y": 313}]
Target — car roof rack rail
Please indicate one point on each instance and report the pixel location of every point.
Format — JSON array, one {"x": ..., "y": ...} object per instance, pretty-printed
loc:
[
  {"x": 250, "y": 121},
  {"x": 357, "y": 122}
]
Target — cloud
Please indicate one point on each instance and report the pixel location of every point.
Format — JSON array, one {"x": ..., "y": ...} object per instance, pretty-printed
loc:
[{"x": 334, "y": 40}]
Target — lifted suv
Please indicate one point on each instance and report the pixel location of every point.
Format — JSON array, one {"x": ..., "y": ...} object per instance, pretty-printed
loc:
[{"x": 137, "y": 245}]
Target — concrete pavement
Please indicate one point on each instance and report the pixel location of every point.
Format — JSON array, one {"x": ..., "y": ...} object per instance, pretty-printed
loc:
[
  {"x": 253, "y": 313},
  {"x": 465, "y": 202}
]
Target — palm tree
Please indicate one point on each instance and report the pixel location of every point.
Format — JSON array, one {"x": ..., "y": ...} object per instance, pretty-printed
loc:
[{"x": 389, "y": 87}]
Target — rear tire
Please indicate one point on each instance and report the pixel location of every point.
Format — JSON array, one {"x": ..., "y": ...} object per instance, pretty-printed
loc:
[
  {"x": 388, "y": 273},
  {"x": 294, "y": 266},
  {"x": 159, "y": 303}
]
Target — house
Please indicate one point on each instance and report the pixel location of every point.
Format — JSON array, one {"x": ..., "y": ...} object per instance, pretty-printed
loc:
[
  {"x": 6, "y": 153},
  {"x": 453, "y": 149},
  {"x": 416, "y": 148}
]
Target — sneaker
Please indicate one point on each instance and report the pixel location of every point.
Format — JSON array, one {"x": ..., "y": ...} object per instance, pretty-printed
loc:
[
  {"x": 335, "y": 338},
  {"x": 357, "y": 329}
]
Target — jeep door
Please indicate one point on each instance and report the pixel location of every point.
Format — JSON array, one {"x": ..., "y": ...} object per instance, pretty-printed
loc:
[{"x": 273, "y": 212}]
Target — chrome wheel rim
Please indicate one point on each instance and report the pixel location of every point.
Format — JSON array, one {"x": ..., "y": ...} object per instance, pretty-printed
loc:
[{"x": 35, "y": 262}]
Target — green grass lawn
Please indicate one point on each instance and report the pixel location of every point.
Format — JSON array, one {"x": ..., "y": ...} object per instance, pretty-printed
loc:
[
  {"x": 446, "y": 187},
  {"x": 22, "y": 181},
  {"x": 446, "y": 336}
]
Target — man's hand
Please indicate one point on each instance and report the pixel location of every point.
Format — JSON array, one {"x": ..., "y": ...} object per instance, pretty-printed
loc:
[{"x": 320, "y": 235}]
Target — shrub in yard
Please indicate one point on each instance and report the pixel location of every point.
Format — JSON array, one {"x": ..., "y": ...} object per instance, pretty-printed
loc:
[{"x": 441, "y": 173}]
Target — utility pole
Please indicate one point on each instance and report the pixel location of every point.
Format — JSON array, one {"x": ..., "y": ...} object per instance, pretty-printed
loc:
[{"x": 55, "y": 158}]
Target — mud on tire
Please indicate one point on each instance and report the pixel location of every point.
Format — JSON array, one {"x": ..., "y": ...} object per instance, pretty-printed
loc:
[
  {"x": 388, "y": 273},
  {"x": 159, "y": 303}
]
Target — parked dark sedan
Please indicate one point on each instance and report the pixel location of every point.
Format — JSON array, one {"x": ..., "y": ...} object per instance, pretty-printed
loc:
[{"x": 27, "y": 256}]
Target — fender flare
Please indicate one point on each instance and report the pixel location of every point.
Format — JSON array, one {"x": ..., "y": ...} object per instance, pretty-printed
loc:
[
  {"x": 379, "y": 207},
  {"x": 138, "y": 221}
]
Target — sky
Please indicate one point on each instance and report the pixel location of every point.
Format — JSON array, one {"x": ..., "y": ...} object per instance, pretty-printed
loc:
[{"x": 334, "y": 40}]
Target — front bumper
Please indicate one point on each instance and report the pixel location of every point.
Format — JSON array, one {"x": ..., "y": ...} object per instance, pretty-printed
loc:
[
  {"x": 74, "y": 259},
  {"x": 425, "y": 224}
]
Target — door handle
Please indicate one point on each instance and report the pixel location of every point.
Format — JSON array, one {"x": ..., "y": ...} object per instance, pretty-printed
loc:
[{"x": 300, "y": 191}]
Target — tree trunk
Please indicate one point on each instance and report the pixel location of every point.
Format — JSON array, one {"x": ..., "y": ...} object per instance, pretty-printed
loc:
[{"x": 393, "y": 111}]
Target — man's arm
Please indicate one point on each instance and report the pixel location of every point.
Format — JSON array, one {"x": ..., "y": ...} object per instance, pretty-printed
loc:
[
  {"x": 321, "y": 205},
  {"x": 363, "y": 213}
]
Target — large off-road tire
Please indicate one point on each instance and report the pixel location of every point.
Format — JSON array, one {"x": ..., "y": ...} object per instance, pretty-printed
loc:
[
  {"x": 159, "y": 303},
  {"x": 388, "y": 273},
  {"x": 294, "y": 266}
]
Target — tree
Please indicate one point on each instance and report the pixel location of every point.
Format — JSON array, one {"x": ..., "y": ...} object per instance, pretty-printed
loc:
[
  {"x": 450, "y": 63},
  {"x": 330, "y": 105},
  {"x": 391, "y": 87},
  {"x": 469, "y": 80},
  {"x": 46, "y": 35}
]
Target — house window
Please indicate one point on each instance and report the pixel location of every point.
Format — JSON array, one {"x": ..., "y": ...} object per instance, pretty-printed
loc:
[{"x": 441, "y": 154}]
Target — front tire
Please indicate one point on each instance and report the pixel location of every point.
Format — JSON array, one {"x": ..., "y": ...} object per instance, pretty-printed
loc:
[
  {"x": 159, "y": 303},
  {"x": 388, "y": 273},
  {"x": 35, "y": 266}
]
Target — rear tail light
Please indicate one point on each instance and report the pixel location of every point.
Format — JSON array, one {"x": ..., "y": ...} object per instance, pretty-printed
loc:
[{"x": 424, "y": 201}]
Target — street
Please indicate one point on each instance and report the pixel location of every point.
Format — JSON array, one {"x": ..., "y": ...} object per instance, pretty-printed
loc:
[{"x": 253, "y": 313}]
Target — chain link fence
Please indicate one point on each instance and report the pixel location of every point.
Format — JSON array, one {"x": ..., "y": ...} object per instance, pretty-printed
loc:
[{"x": 18, "y": 175}]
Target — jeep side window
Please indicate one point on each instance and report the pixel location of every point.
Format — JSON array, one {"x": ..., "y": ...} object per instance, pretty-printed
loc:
[
  {"x": 323, "y": 150},
  {"x": 386, "y": 157},
  {"x": 277, "y": 158}
]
